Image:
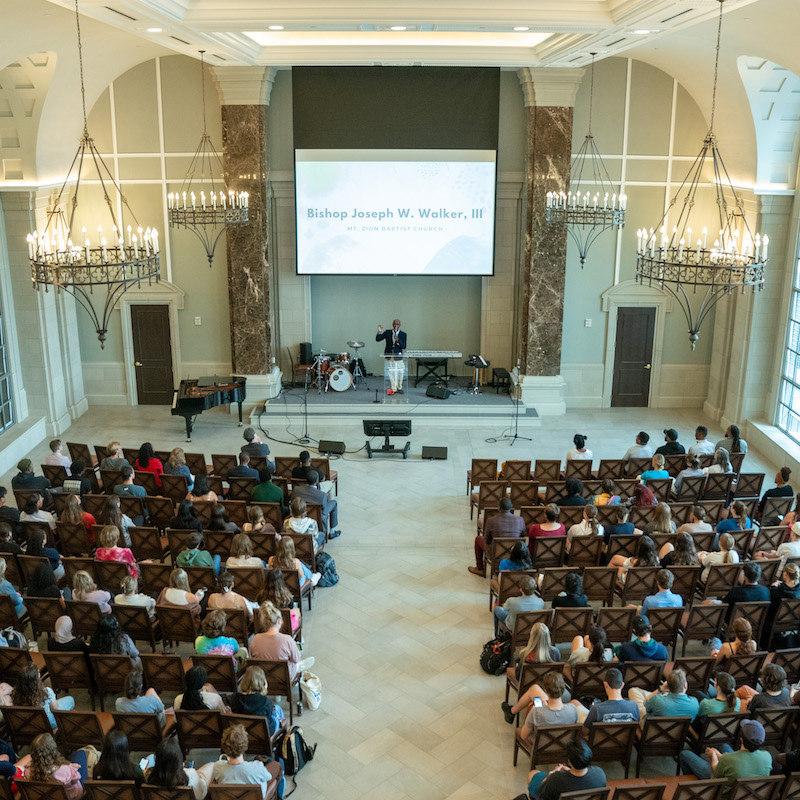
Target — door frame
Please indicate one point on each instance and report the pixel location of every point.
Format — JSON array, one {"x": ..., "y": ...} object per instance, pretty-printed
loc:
[
  {"x": 162, "y": 293},
  {"x": 631, "y": 294}
]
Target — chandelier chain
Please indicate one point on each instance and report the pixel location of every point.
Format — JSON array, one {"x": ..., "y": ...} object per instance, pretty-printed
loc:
[
  {"x": 591, "y": 95},
  {"x": 716, "y": 68},
  {"x": 203, "y": 84},
  {"x": 80, "y": 64}
]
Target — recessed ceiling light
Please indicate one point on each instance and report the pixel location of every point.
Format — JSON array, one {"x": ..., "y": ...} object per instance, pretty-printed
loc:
[
  {"x": 641, "y": 33},
  {"x": 154, "y": 30},
  {"x": 397, "y": 28},
  {"x": 521, "y": 28},
  {"x": 276, "y": 27}
]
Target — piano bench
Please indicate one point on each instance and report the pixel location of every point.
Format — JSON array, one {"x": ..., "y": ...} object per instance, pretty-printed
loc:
[{"x": 501, "y": 378}]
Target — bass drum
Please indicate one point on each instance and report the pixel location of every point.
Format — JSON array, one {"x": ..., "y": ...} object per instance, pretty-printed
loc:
[{"x": 340, "y": 379}]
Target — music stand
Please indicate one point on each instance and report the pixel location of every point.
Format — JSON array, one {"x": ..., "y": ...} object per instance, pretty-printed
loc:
[{"x": 387, "y": 428}]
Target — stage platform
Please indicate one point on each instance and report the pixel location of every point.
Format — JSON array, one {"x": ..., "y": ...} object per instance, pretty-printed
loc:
[{"x": 462, "y": 407}]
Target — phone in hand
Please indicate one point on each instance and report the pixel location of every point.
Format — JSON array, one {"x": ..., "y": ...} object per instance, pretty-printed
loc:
[{"x": 538, "y": 702}]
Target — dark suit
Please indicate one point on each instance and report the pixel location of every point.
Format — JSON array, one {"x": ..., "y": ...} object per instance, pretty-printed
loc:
[
  {"x": 242, "y": 471},
  {"x": 388, "y": 341},
  {"x": 258, "y": 449},
  {"x": 504, "y": 524},
  {"x": 330, "y": 508},
  {"x": 745, "y": 593}
]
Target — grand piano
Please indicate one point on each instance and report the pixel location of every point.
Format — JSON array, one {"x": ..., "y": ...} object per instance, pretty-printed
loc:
[{"x": 196, "y": 395}]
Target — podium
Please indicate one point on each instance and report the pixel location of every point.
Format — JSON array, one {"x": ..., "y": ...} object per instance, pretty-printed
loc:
[{"x": 395, "y": 374}]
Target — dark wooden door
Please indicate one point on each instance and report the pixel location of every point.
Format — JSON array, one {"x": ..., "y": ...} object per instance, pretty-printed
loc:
[
  {"x": 152, "y": 354},
  {"x": 632, "y": 356}
]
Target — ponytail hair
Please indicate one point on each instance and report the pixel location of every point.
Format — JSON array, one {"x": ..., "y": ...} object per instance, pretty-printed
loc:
[
  {"x": 599, "y": 642},
  {"x": 737, "y": 445},
  {"x": 727, "y": 685},
  {"x": 590, "y": 512},
  {"x": 727, "y": 543},
  {"x": 741, "y": 513}
]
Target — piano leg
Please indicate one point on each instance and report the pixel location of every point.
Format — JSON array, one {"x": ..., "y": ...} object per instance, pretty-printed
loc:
[
  {"x": 240, "y": 413},
  {"x": 188, "y": 428}
]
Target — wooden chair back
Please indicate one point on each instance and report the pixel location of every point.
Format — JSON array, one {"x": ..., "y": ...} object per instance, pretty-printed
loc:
[
  {"x": 153, "y": 577},
  {"x": 220, "y": 464},
  {"x": 550, "y": 743},
  {"x": 111, "y": 478},
  {"x": 24, "y": 724},
  {"x": 221, "y": 671},
  {"x": 258, "y": 738},
  {"x": 272, "y": 514},
  {"x": 109, "y": 575},
  {"x": 499, "y": 549},
  {"x": 778, "y": 725},
  {"x": 774, "y": 507},
  {"x": 553, "y": 581},
  {"x": 110, "y": 790},
  {"x": 700, "y": 790},
  {"x": 698, "y": 671},
  {"x": 719, "y": 729},
  {"x": 110, "y": 673},
  {"x": 754, "y": 613},
  {"x": 570, "y": 622},
  {"x": 661, "y": 488},
  {"x": 235, "y": 791},
  {"x": 163, "y": 671},
  {"x": 662, "y": 736},
  {"x": 611, "y": 468},
  {"x": 523, "y": 493},
  {"x": 761, "y": 788},
  {"x": 718, "y": 486},
  {"x": 636, "y": 466},
  {"x": 548, "y": 551},
  {"x": 789, "y": 660},
  {"x": 41, "y": 790},
  {"x": 43, "y": 613},
  {"x": 524, "y": 622},
  {"x": 622, "y": 545},
  {"x": 143, "y": 731},
  {"x": 482, "y": 469},
  {"x": 149, "y": 792},
  {"x": 85, "y": 616},
  {"x": 691, "y": 488},
  {"x": 665, "y": 623},
  {"x": 160, "y": 510},
  {"x": 176, "y": 487},
  {"x": 138, "y": 624},
  {"x": 73, "y": 539},
  {"x": 769, "y": 537},
  {"x": 587, "y": 678},
  {"x": 617, "y": 623},
  {"x": 177, "y": 624},
  {"x": 515, "y": 470},
  {"x": 69, "y": 670},
  {"x": 12, "y": 661},
  {"x": 749, "y": 484},
  {"x": 745, "y": 669},
  {"x": 613, "y": 741},
  {"x": 76, "y": 729},
  {"x": 292, "y": 580},
  {"x": 674, "y": 464},
  {"x": 685, "y": 581},
  {"x": 237, "y": 511},
  {"x": 510, "y": 582},
  {"x": 545, "y": 470},
  {"x": 534, "y": 672},
  {"x": 650, "y": 791},
  {"x": 721, "y": 577},
  {"x": 198, "y": 730},
  {"x": 643, "y": 674},
  {"x": 8, "y": 615},
  {"x": 598, "y": 584},
  {"x": 305, "y": 547},
  {"x": 249, "y": 581},
  {"x": 578, "y": 468},
  {"x": 587, "y": 794},
  {"x": 585, "y": 551},
  {"x": 769, "y": 570},
  {"x": 640, "y": 582},
  {"x": 241, "y": 488},
  {"x": 200, "y": 577},
  {"x": 641, "y": 516},
  {"x": 148, "y": 481},
  {"x": 490, "y": 493}
]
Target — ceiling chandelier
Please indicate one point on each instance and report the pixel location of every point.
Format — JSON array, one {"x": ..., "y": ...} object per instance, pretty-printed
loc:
[
  {"x": 80, "y": 260},
  {"x": 724, "y": 256},
  {"x": 207, "y": 216},
  {"x": 592, "y": 205}
]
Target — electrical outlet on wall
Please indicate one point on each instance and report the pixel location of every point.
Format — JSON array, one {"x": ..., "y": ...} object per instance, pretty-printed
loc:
[
  {"x": 198, "y": 321},
  {"x": 587, "y": 323}
]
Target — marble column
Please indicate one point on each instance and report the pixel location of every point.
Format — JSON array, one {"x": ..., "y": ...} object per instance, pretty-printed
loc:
[
  {"x": 549, "y": 96},
  {"x": 245, "y": 104}
]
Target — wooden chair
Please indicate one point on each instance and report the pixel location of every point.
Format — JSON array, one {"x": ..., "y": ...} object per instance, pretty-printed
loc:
[
  {"x": 110, "y": 790},
  {"x": 613, "y": 741},
  {"x": 661, "y": 488},
  {"x": 510, "y": 582},
  {"x": 143, "y": 731},
  {"x": 736, "y": 462},
  {"x": 587, "y": 679},
  {"x": 665, "y": 623},
  {"x": 241, "y": 488},
  {"x": 791, "y": 788},
  {"x": 611, "y": 468},
  {"x": 160, "y": 510},
  {"x": 221, "y": 671},
  {"x": 768, "y": 538},
  {"x": 176, "y": 487},
  {"x": 545, "y": 470},
  {"x": 774, "y": 507},
  {"x": 570, "y": 622},
  {"x": 769, "y": 570},
  {"x": 640, "y": 582},
  {"x": 148, "y": 481},
  {"x": 8, "y": 615},
  {"x": 587, "y": 794},
  {"x": 578, "y": 468},
  {"x": 138, "y": 624},
  {"x": 746, "y": 669},
  {"x": 515, "y": 470},
  {"x": 79, "y": 728},
  {"x": 704, "y": 622},
  {"x": 153, "y": 577},
  {"x": 163, "y": 671},
  {"x": 616, "y": 622},
  {"x": 249, "y": 581},
  {"x": 531, "y": 673},
  {"x": 585, "y": 551},
  {"x": 716, "y": 729},
  {"x": 700, "y": 790},
  {"x": 110, "y": 673},
  {"x": 643, "y": 674},
  {"x": 177, "y": 624},
  {"x": 242, "y": 791},
  {"x": 548, "y": 551},
  {"x": 641, "y": 515},
  {"x": 73, "y": 539},
  {"x": 685, "y": 581},
  {"x": 523, "y": 493},
  {"x": 279, "y": 682},
  {"x": 292, "y": 579},
  {"x": 43, "y": 613},
  {"x": 489, "y": 495},
  {"x": 198, "y": 730},
  {"x": 754, "y": 613},
  {"x": 553, "y": 490},
  {"x": 778, "y": 725},
  {"x": 718, "y": 486},
  {"x": 41, "y": 790},
  {"x": 789, "y": 660},
  {"x": 762, "y": 788},
  {"x": 749, "y": 484},
  {"x": 500, "y": 548},
  {"x": 237, "y": 511},
  {"x": 85, "y": 617},
  {"x": 547, "y": 744},
  {"x": 483, "y": 469},
  {"x": 523, "y": 622},
  {"x": 721, "y": 577},
  {"x": 661, "y": 736},
  {"x": 110, "y": 574},
  {"x": 12, "y": 661},
  {"x": 650, "y": 791},
  {"x": 691, "y": 488},
  {"x": 305, "y": 546},
  {"x": 110, "y": 478},
  {"x": 149, "y": 792},
  {"x": 698, "y": 671},
  {"x": 598, "y": 584},
  {"x": 623, "y": 545},
  {"x": 259, "y": 741},
  {"x": 552, "y": 582},
  {"x": 674, "y": 464},
  {"x": 200, "y": 577},
  {"x": 24, "y": 724},
  {"x": 69, "y": 670}
]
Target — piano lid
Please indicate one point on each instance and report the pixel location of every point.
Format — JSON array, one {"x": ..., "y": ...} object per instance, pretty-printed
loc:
[{"x": 215, "y": 380}]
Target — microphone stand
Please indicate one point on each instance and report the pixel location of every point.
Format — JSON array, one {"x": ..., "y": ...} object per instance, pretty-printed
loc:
[
  {"x": 305, "y": 439},
  {"x": 516, "y": 435}
]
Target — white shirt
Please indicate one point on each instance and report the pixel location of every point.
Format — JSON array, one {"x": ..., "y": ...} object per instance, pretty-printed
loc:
[
  {"x": 57, "y": 460},
  {"x": 137, "y": 600},
  {"x": 787, "y": 550},
  {"x": 718, "y": 558},
  {"x": 638, "y": 451},
  {"x": 701, "y": 447},
  {"x": 576, "y": 455},
  {"x": 583, "y": 528}
]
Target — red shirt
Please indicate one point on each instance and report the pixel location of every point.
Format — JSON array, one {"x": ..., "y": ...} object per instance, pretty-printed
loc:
[{"x": 154, "y": 466}]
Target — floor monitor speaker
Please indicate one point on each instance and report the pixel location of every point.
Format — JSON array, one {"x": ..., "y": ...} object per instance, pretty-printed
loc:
[
  {"x": 440, "y": 392},
  {"x": 331, "y": 447},
  {"x": 434, "y": 452}
]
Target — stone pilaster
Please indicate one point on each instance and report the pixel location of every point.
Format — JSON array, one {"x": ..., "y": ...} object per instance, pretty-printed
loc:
[
  {"x": 549, "y": 96},
  {"x": 245, "y": 105}
]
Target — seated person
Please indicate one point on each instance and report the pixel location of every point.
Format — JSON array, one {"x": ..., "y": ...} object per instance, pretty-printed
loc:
[
  {"x": 614, "y": 708},
  {"x": 640, "y": 450},
  {"x": 553, "y": 711},
  {"x": 538, "y": 650},
  {"x": 243, "y": 469},
  {"x": 608, "y": 496},
  {"x": 788, "y": 588},
  {"x": 572, "y": 596},
  {"x": 176, "y": 465},
  {"x": 696, "y": 523},
  {"x": 691, "y": 470},
  {"x": 242, "y": 553},
  {"x": 30, "y": 691},
  {"x": 109, "y": 639},
  {"x": 299, "y": 473},
  {"x": 37, "y": 539},
  {"x": 252, "y": 699},
  {"x": 299, "y": 522},
  {"x": 178, "y": 594},
  {"x": 33, "y": 511},
  {"x": 643, "y": 647},
  {"x": 672, "y": 446},
  {"x": 682, "y": 553},
  {"x": 186, "y": 519},
  {"x": 578, "y": 774},
  {"x": 774, "y": 690},
  {"x": 219, "y": 520},
  {"x": 725, "y": 555},
  {"x": 115, "y": 762},
  {"x": 198, "y": 695},
  {"x": 723, "y": 699},
  {"x": 7, "y": 589},
  {"x": 146, "y": 461},
  {"x": 138, "y": 701},
  {"x": 670, "y": 700},
  {"x": 732, "y": 441},
  {"x": 226, "y": 598},
  {"x": 272, "y": 645},
  {"x": 782, "y": 489},
  {"x": 737, "y": 519},
  {"x": 236, "y": 770},
  {"x": 664, "y": 597},
  {"x": 255, "y": 447},
  {"x": 285, "y": 558},
  {"x": 721, "y": 464},
  {"x": 63, "y": 641},
  {"x": 202, "y": 490},
  {"x": 78, "y": 482},
  {"x": 504, "y": 524},
  {"x": 588, "y": 526},
  {"x": 169, "y": 772},
  {"x": 621, "y": 526},
  {"x": 256, "y": 521},
  {"x": 114, "y": 460},
  {"x": 656, "y": 471},
  {"x": 550, "y": 528},
  {"x": 519, "y": 558},
  {"x": 573, "y": 493},
  {"x": 25, "y": 479},
  {"x": 46, "y": 764},
  {"x": 786, "y": 550},
  {"x": 85, "y": 589},
  {"x": 748, "y": 592},
  {"x": 131, "y": 596},
  {"x": 743, "y": 643},
  {"x": 580, "y": 451},
  {"x": 195, "y": 556},
  {"x": 110, "y": 551},
  {"x": 265, "y": 491},
  {"x": 642, "y": 496},
  {"x": 75, "y": 515},
  {"x": 592, "y": 647},
  {"x": 505, "y": 616},
  {"x": 128, "y": 488},
  {"x": 646, "y": 556},
  {"x": 701, "y": 446},
  {"x": 55, "y": 458},
  {"x": 214, "y": 643},
  {"x": 8, "y": 515}
]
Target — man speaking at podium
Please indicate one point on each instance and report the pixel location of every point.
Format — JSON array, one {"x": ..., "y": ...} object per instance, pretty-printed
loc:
[{"x": 394, "y": 342}]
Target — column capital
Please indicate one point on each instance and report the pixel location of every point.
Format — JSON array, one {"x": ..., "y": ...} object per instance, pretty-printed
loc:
[
  {"x": 244, "y": 86},
  {"x": 546, "y": 86}
]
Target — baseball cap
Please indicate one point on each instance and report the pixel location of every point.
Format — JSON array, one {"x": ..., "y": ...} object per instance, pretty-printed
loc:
[
  {"x": 641, "y": 625},
  {"x": 753, "y": 731},
  {"x": 24, "y": 465},
  {"x": 671, "y": 433}
]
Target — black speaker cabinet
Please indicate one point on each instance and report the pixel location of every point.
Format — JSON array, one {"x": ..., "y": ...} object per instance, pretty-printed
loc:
[
  {"x": 440, "y": 392},
  {"x": 331, "y": 447},
  {"x": 306, "y": 355},
  {"x": 434, "y": 452}
]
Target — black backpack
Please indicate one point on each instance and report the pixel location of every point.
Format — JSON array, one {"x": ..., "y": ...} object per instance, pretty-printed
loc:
[
  {"x": 496, "y": 655},
  {"x": 293, "y": 750},
  {"x": 327, "y": 567}
]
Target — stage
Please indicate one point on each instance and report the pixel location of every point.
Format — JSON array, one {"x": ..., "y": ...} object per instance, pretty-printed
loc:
[{"x": 462, "y": 407}]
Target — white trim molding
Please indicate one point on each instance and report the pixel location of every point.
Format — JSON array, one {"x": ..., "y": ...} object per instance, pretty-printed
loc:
[
  {"x": 630, "y": 294},
  {"x": 158, "y": 294}
]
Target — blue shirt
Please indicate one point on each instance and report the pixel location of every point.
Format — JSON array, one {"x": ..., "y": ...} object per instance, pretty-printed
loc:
[
  {"x": 652, "y": 474},
  {"x": 733, "y": 525},
  {"x": 672, "y": 705},
  {"x": 662, "y": 599},
  {"x": 507, "y": 563},
  {"x": 642, "y": 651}
]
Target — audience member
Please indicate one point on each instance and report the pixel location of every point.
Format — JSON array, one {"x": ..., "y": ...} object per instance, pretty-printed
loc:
[
  {"x": 46, "y": 764},
  {"x": 214, "y": 643},
  {"x": 7, "y": 513},
  {"x": 146, "y": 461},
  {"x": 286, "y": 558},
  {"x": 78, "y": 481},
  {"x": 110, "y": 551},
  {"x": 646, "y": 556},
  {"x": 664, "y": 597},
  {"x": 669, "y": 700},
  {"x": 505, "y": 616},
  {"x": 243, "y": 468},
  {"x": 265, "y": 491},
  {"x": 63, "y": 640},
  {"x": 300, "y": 472},
  {"x": 112, "y": 515},
  {"x": 8, "y": 589},
  {"x": 553, "y": 711},
  {"x": 538, "y": 650},
  {"x": 671, "y": 447},
  {"x": 43, "y": 583},
  {"x": 782, "y": 489},
  {"x": 37, "y": 538},
  {"x": 578, "y": 774},
  {"x": 732, "y": 443},
  {"x": 255, "y": 447},
  {"x": 594, "y": 647},
  {"x": 110, "y": 640},
  {"x": 187, "y": 519},
  {"x": 30, "y": 691},
  {"x": 242, "y": 553},
  {"x": 195, "y": 556},
  {"x": 743, "y": 643},
  {"x": 299, "y": 522},
  {"x": 257, "y": 524},
  {"x": 311, "y": 493},
  {"x": 661, "y": 521},
  {"x": 552, "y": 527},
  {"x": 73, "y": 514},
  {"x": 139, "y": 701},
  {"x": 170, "y": 773},
  {"x": 7, "y": 543},
  {"x": 786, "y": 550},
  {"x": 55, "y": 458},
  {"x": 608, "y": 496},
  {"x": 588, "y": 526},
  {"x": 682, "y": 553},
  {"x": 737, "y": 519},
  {"x": 573, "y": 493},
  {"x": 26, "y": 480},
  {"x": 176, "y": 465},
  {"x": 115, "y": 762},
  {"x": 691, "y": 470},
  {"x": 696, "y": 523},
  {"x": 579, "y": 452},
  {"x": 642, "y": 496},
  {"x": 640, "y": 450},
  {"x": 128, "y": 488},
  {"x": 251, "y": 699},
  {"x": 235, "y": 770},
  {"x": 774, "y": 691},
  {"x": 642, "y": 647},
  {"x": 722, "y": 700},
  {"x": 748, "y": 592},
  {"x": 277, "y": 592},
  {"x": 656, "y": 470},
  {"x": 701, "y": 446},
  {"x": 179, "y": 595},
  {"x": 721, "y": 464},
  {"x": 572, "y": 596},
  {"x": 228, "y": 600},
  {"x": 33, "y": 511},
  {"x": 725, "y": 555},
  {"x": 114, "y": 459},
  {"x": 621, "y": 526},
  {"x": 272, "y": 645},
  {"x": 197, "y": 694},
  {"x": 202, "y": 491},
  {"x": 219, "y": 520},
  {"x": 505, "y": 524},
  {"x": 614, "y": 708},
  {"x": 132, "y": 597},
  {"x": 788, "y": 588}
]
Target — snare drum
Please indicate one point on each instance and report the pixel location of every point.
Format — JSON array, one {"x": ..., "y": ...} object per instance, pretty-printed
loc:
[
  {"x": 340, "y": 379},
  {"x": 323, "y": 365},
  {"x": 344, "y": 360}
]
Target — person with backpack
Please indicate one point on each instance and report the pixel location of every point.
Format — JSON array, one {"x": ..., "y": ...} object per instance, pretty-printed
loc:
[{"x": 235, "y": 770}]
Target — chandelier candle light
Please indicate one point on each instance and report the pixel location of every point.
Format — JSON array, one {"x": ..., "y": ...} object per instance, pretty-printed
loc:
[
  {"x": 710, "y": 264},
  {"x": 78, "y": 261},
  {"x": 587, "y": 212},
  {"x": 206, "y": 214}
]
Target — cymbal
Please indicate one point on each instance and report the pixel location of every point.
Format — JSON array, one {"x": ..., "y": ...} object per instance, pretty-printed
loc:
[{"x": 356, "y": 344}]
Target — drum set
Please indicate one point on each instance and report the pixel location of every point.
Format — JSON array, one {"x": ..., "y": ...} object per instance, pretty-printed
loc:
[{"x": 338, "y": 371}]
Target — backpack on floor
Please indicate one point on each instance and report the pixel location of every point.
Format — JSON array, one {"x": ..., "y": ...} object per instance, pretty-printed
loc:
[
  {"x": 14, "y": 637},
  {"x": 293, "y": 750},
  {"x": 327, "y": 567},
  {"x": 496, "y": 655}
]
